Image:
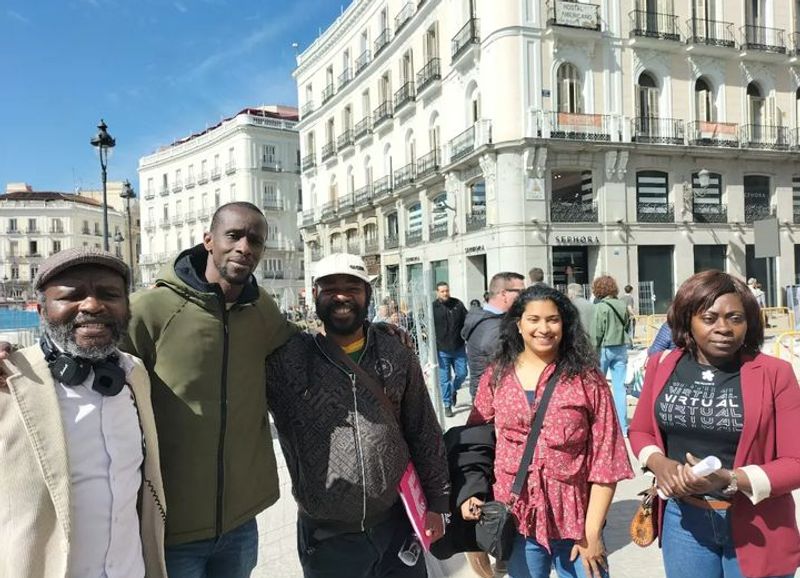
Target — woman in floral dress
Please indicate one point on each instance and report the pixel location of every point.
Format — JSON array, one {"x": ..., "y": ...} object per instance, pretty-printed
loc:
[{"x": 580, "y": 454}]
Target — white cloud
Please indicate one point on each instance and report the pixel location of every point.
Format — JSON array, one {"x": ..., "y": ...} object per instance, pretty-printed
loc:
[{"x": 17, "y": 16}]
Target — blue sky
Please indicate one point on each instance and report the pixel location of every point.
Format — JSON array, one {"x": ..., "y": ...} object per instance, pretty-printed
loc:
[{"x": 155, "y": 70}]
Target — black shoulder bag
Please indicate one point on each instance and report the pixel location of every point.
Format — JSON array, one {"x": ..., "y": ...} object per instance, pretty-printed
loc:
[{"x": 496, "y": 529}]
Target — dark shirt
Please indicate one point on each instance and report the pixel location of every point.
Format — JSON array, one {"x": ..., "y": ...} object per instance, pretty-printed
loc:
[
  {"x": 448, "y": 319},
  {"x": 700, "y": 411}
]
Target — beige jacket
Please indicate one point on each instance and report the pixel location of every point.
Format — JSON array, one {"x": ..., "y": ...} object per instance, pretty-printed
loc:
[{"x": 35, "y": 510}]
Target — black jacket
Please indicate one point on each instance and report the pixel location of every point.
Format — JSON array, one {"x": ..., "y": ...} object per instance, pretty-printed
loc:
[
  {"x": 448, "y": 320},
  {"x": 481, "y": 332}
]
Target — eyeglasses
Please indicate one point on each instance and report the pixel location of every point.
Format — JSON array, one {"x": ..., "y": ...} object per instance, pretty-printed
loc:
[{"x": 513, "y": 290}]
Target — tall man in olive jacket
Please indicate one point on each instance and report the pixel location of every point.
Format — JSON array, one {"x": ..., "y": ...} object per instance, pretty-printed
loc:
[
  {"x": 204, "y": 333},
  {"x": 345, "y": 448}
]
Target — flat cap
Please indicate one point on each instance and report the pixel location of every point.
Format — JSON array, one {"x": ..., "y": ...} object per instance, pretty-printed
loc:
[{"x": 75, "y": 257}]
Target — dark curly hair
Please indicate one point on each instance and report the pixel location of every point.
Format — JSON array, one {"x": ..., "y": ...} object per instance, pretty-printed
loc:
[
  {"x": 575, "y": 354},
  {"x": 698, "y": 293},
  {"x": 605, "y": 286}
]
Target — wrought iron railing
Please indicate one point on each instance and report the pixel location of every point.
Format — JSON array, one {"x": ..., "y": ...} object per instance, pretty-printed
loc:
[
  {"x": 382, "y": 186},
  {"x": 464, "y": 38},
  {"x": 795, "y": 138},
  {"x": 428, "y": 164},
  {"x": 345, "y": 77},
  {"x": 307, "y": 108},
  {"x": 327, "y": 210},
  {"x": 763, "y": 38},
  {"x": 764, "y": 136},
  {"x": 573, "y": 14},
  {"x": 382, "y": 41},
  {"x": 309, "y": 218},
  {"x": 414, "y": 237},
  {"x": 573, "y": 212},
  {"x": 363, "y": 196},
  {"x": 710, "y": 32},
  {"x": 363, "y": 61},
  {"x": 328, "y": 150},
  {"x": 658, "y": 130},
  {"x": 363, "y": 128},
  {"x": 476, "y": 221},
  {"x": 190, "y": 182},
  {"x": 391, "y": 242},
  {"x": 202, "y": 178},
  {"x": 309, "y": 161},
  {"x": 404, "y": 95},
  {"x": 795, "y": 214},
  {"x": 344, "y": 140},
  {"x": 230, "y": 167},
  {"x": 717, "y": 134},
  {"x": 431, "y": 72},
  {"x": 404, "y": 176},
  {"x": 371, "y": 245},
  {"x": 402, "y": 18},
  {"x": 383, "y": 113},
  {"x": 655, "y": 213},
  {"x": 754, "y": 213},
  {"x": 654, "y": 25},
  {"x": 437, "y": 231},
  {"x": 345, "y": 204},
  {"x": 163, "y": 191},
  {"x": 794, "y": 49},
  {"x": 328, "y": 93},
  {"x": 580, "y": 126}
]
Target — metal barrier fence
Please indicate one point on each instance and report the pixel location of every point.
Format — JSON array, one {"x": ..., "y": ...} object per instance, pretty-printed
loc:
[
  {"x": 645, "y": 329},
  {"x": 777, "y": 320},
  {"x": 787, "y": 346}
]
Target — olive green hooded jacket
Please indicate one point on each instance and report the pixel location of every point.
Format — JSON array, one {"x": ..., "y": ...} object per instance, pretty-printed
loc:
[{"x": 207, "y": 369}]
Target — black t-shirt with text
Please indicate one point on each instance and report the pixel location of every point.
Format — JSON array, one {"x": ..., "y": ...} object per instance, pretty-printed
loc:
[{"x": 700, "y": 411}]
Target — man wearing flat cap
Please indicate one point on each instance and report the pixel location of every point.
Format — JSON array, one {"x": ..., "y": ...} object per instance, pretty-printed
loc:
[{"x": 80, "y": 475}]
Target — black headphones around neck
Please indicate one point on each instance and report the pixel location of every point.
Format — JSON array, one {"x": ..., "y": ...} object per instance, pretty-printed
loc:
[{"x": 109, "y": 377}]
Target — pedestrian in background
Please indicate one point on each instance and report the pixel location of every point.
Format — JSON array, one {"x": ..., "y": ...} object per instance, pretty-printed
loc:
[
  {"x": 717, "y": 394},
  {"x": 611, "y": 339},
  {"x": 584, "y": 307},
  {"x": 536, "y": 275},
  {"x": 580, "y": 455},
  {"x": 449, "y": 314},
  {"x": 630, "y": 304}
]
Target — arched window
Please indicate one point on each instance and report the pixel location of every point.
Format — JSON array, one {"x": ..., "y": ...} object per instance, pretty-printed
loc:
[
  {"x": 337, "y": 243},
  {"x": 647, "y": 96},
  {"x": 756, "y": 104},
  {"x": 570, "y": 89},
  {"x": 704, "y": 101}
]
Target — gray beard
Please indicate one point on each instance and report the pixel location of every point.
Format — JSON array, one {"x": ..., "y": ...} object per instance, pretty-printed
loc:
[{"x": 63, "y": 337}]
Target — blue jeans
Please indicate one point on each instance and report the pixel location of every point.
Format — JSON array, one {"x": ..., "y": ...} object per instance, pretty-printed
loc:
[
  {"x": 232, "y": 555},
  {"x": 616, "y": 359},
  {"x": 698, "y": 542},
  {"x": 529, "y": 559},
  {"x": 455, "y": 362}
]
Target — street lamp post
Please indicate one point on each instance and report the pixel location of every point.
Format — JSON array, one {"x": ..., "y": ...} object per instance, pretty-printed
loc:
[
  {"x": 128, "y": 194},
  {"x": 104, "y": 141}
]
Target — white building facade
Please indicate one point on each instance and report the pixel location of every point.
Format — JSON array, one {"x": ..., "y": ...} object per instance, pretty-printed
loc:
[
  {"x": 639, "y": 138},
  {"x": 251, "y": 157},
  {"x": 35, "y": 225}
]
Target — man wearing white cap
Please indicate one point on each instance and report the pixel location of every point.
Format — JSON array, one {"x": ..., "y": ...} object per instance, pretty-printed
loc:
[{"x": 351, "y": 409}]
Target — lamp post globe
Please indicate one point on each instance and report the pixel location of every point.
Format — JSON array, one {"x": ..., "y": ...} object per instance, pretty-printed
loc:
[{"x": 103, "y": 142}]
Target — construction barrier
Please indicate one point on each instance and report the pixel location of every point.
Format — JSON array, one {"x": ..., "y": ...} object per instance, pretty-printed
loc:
[
  {"x": 787, "y": 346},
  {"x": 645, "y": 329},
  {"x": 777, "y": 320}
]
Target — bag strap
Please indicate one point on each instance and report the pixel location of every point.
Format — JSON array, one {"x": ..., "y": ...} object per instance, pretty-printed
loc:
[
  {"x": 474, "y": 327},
  {"x": 530, "y": 445},
  {"x": 337, "y": 354},
  {"x": 616, "y": 313}
]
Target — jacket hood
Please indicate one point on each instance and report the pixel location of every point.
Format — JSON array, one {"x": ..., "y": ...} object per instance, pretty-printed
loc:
[
  {"x": 186, "y": 276},
  {"x": 475, "y": 316}
]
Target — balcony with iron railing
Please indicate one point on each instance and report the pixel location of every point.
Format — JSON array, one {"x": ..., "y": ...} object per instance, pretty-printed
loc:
[
  {"x": 362, "y": 197},
  {"x": 573, "y": 14},
  {"x": 382, "y": 187},
  {"x": 580, "y": 126},
  {"x": 763, "y": 136},
  {"x": 794, "y": 48},
  {"x": 753, "y": 213},
  {"x": 656, "y": 130},
  {"x": 363, "y": 61},
  {"x": 164, "y": 223},
  {"x": 467, "y": 142},
  {"x": 309, "y": 218},
  {"x": 795, "y": 135},
  {"x": 763, "y": 39},
  {"x": 148, "y": 226},
  {"x": 202, "y": 178},
  {"x": 383, "y": 113},
  {"x": 344, "y": 140},
  {"x": 190, "y": 182},
  {"x": 177, "y": 219},
  {"x": 216, "y": 174},
  {"x": 177, "y": 186},
  {"x": 715, "y": 134},
  {"x": 163, "y": 191},
  {"x": 328, "y": 93},
  {"x": 404, "y": 176},
  {"x": 149, "y": 195},
  {"x": 404, "y": 95},
  {"x": 309, "y": 162},
  {"x": 327, "y": 210},
  {"x": 371, "y": 245},
  {"x": 362, "y": 128},
  {"x": 437, "y": 231},
  {"x": 795, "y": 214},
  {"x": 345, "y": 204},
  {"x": 353, "y": 246},
  {"x": 391, "y": 242},
  {"x": 191, "y": 217},
  {"x": 476, "y": 220},
  {"x": 272, "y": 203},
  {"x": 710, "y": 32},
  {"x": 414, "y": 237},
  {"x": 655, "y": 212},
  {"x": 430, "y": 73},
  {"x": 709, "y": 212},
  {"x": 573, "y": 212},
  {"x": 230, "y": 167},
  {"x": 402, "y": 18},
  {"x": 646, "y": 24},
  {"x": 273, "y": 274},
  {"x": 465, "y": 38},
  {"x": 270, "y": 163},
  {"x": 345, "y": 77},
  {"x": 328, "y": 151},
  {"x": 428, "y": 164},
  {"x": 307, "y": 108},
  {"x": 381, "y": 41}
]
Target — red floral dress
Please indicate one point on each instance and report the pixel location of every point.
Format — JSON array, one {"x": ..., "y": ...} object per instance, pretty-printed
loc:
[{"x": 580, "y": 443}]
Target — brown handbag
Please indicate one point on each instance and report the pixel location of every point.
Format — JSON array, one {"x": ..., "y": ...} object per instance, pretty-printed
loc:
[{"x": 644, "y": 525}]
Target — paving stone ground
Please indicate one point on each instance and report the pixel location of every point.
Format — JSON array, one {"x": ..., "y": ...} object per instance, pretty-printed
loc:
[{"x": 277, "y": 556}]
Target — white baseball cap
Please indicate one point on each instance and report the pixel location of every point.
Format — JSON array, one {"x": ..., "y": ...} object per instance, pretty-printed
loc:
[{"x": 341, "y": 264}]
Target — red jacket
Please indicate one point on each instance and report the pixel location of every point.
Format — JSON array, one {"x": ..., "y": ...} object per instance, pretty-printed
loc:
[{"x": 765, "y": 535}]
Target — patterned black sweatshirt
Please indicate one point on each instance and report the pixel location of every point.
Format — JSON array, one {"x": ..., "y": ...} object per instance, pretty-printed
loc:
[{"x": 344, "y": 453}]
